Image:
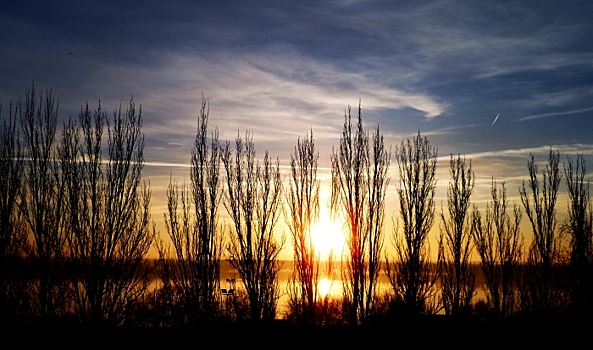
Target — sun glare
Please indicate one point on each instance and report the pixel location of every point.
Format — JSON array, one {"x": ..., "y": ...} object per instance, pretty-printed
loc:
[
  {"x": 325, "y": 287},
  {"x": 327, "y": 236}
]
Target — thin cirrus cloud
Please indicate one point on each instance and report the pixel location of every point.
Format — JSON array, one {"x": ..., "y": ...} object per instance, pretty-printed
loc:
[
  {"x": 273, "y": 95},
  {"x": 283, "y": 83},
  {"x": 511, "y": 163},
  {"x": 555, "y": 114},
  {"x": 516, "y": 156}
]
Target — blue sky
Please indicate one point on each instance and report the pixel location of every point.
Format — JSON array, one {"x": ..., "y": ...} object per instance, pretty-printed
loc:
[{"x": 446, "y": 68}]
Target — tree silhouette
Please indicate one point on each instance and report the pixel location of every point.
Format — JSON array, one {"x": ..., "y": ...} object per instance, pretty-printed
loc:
[
  {"x": 193, "y": 268},
  {"x": 499, "y": 243},
  {"x": 12, "y": 233},
  {"x": 457, "y": 276},
  {"x": 107, "y": 213},
  {"x": 359, "y": 182},
  {"x": 539, "y": 201},
  {"x": 303, "y": 211},
  {"x": 42, "y": 203},
  {"x": 253, "y": 201},
  {"x": 580, "y": 228},
  {"x": 412, "y": 275}
]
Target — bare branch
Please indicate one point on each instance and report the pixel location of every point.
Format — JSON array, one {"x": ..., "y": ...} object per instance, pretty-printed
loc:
[
  {"x": 412, "y": 275},
  {"x": 253, "y": 200},
  {"x": 359, "y": 182},
  {"x": 499, "y": 243},
  {"x": 457, "y": 277}
]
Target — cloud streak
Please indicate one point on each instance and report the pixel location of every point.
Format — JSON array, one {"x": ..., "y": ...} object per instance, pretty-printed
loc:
[
  {"x": 555, "y": 114},
  {"x": 524, "y": 152}
]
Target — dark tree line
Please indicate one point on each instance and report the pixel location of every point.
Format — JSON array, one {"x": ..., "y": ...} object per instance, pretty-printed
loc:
[
  {"x": 75, "y": 229},
  {"x": 75, "y": 225}
]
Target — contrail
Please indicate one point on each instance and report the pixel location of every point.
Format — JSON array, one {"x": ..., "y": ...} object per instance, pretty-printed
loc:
[{"x": 495, "y": 119}]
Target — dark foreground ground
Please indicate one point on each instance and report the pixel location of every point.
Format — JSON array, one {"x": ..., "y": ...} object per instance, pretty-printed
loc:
[{"x": 419, "y": 333}]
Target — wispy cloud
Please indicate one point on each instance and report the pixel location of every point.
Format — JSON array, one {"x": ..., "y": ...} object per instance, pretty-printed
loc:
[
  {"x": 167, "y": 164},
  {"x": 277, "y": 96},
  {"x": 524, "y": 152},
  {"x": 449, "y": 130},
  {"x": 554, "y": 114}
]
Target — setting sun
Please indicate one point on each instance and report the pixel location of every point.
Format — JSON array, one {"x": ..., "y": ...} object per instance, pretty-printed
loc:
[
  {"x": 327, "y": 236},
  {"x": 325, "y": 287}
]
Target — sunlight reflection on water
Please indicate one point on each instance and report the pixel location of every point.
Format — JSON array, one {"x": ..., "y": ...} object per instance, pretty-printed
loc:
[{"x": 328, "y": 286}]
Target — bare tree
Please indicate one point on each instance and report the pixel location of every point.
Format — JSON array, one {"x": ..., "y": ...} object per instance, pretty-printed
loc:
[
  {"x": 303, "y": 211},
  {"x": 457, "y": 276},
  {"x": 359, "y": 181},
  {"x": 412, "y": 275},
  {"x": 43, "y": 202},
  {"x": 580, "y": 228},
  {"x": 253, "y": 201},
  {"x": 193, "y": 269},
  {"x": 108, "y": 213},
  {"x": 499, "y": 243},
  {"x": 12, "y": 233},
  {"x": 538, "y": 291}
]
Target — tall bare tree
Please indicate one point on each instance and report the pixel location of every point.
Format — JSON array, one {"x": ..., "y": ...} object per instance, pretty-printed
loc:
[
  {"x": 539, "y": 202},
  {"x": 108, "y": 213},
  {"x": 457, "y": 276},
  {"x": 359, "y": 182},
  {"x": 193, "y": 269},
  {"x": 303, "y": 211},
  {"x": 253, "y": 201},
  {"x": 413, "y": 276},
  {"x": 43, "y": 202},
  {"x": 580, "y": 228},
  {"x": 499, "y": 243},
  {"x": 12, "y": 234}
]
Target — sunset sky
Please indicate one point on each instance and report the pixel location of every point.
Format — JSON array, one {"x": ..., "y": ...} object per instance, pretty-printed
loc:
[{"x": 279, "y": 69}]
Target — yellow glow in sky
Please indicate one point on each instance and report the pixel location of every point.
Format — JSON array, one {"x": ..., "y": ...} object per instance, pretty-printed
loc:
[{"x": 327, "y": 236}]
